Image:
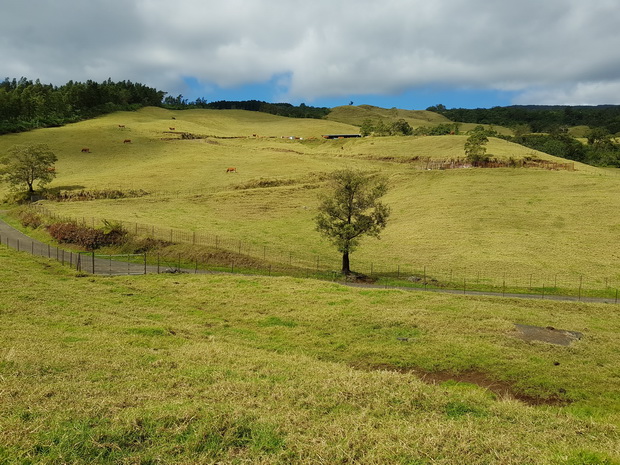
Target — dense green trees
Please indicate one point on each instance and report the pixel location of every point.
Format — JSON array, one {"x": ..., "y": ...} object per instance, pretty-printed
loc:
[
  {"x": 399, "y": 127},
  {"x": 25, "y": 104},
  {"x": 540, "y": 118},
  {"x": 280, "y": 109},
  {"x": 351, "y": 210}
]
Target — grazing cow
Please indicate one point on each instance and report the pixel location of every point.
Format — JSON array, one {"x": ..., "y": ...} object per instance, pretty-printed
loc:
[
  {"x": 172, "y": 129},
  {"x": 231, "y": 170},
  {"x": 127, "y": 141},
  {"x": 173, "y": 117},
  {"x": 85, "y": 150},
  {"x": 121, "y": 125}
]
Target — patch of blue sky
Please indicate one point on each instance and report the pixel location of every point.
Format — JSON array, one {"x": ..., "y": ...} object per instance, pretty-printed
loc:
[{"x": 274, "y": 91}]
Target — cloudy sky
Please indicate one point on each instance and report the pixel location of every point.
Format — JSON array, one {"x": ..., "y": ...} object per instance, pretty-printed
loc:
[{"x": 392, "y": 53}]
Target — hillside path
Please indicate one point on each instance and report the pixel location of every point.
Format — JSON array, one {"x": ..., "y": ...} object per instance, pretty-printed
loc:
[{"x": 84, "y": 262}]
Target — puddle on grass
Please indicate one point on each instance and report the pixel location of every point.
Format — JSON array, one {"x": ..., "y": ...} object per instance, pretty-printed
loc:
[{"x": 501, "y": 389}]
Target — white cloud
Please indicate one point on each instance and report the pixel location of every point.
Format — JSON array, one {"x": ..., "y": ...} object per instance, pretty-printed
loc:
[{"x": 554, "y": 50}]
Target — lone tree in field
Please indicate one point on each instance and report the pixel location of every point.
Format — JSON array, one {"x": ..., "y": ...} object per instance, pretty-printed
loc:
[
  {"x": 351, "y": 210},
  {"x": 27, "y": 164},
  {"x": 475, "y": 150}
]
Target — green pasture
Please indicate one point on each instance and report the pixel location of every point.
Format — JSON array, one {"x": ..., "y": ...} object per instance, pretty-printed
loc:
[
  {"x": 236, "y": 369},
  {"x": 521, "y": 225}
]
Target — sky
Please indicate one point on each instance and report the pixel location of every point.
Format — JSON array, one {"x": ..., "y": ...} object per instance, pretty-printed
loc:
[{"x": 408, "y": 54}]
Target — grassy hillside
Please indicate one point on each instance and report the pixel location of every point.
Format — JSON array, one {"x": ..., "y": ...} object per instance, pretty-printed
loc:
[
  {"x": 225, "y": 369},
  {"x": 495, "y": 222},
  {"x": 356, "y": 115}
]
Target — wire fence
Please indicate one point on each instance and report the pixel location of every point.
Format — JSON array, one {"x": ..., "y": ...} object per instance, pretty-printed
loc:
[{"x": 243, "y": 256}]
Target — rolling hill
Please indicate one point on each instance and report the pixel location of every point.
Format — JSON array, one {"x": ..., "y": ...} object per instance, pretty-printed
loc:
[{"x": 481, "y": 221}]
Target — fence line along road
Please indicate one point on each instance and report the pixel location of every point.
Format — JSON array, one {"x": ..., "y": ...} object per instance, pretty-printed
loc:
[
  {"x": 136, "y": 264},
  {"x": 86, "y": 262}
]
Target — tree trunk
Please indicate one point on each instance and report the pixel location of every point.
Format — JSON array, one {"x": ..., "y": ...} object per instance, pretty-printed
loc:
[{"x": 345, "y": 263}]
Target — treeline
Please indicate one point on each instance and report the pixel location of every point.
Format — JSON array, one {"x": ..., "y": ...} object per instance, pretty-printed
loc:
[
  {"x": 538, "y": 117},
  {"x": 280, "y": 109},
  {"x": 26, "y": 105},
  {"x": 600, "y": 148}
]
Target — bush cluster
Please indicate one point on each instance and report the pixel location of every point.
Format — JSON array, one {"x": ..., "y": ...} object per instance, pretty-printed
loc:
[
  {"x": 30, "y": 219},
  {"x": 86, "y": 237},
  {"x": 69, "y": 196}
]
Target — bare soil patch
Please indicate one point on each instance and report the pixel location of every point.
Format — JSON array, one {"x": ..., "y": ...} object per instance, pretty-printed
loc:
[
  {"x": 548, "y": 334},
  {"x": 501, "y": 389}
]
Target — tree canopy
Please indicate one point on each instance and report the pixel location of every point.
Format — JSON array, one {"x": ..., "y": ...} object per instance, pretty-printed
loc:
[
  {"x": 26, "y": 105},
  {"x": 27, "y": 164},
  {"x": 351, "y": 210}
]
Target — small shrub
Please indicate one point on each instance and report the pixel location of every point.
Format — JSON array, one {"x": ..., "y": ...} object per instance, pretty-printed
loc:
[
  {"x": 84, "y": 236},
  {"x": 30, "y": 219}
]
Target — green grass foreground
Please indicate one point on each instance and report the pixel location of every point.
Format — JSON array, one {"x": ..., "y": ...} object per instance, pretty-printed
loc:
[{"x": 239, "y": 369}]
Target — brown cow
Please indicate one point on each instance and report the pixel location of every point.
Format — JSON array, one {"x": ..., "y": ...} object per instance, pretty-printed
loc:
[
  {"x": 231, "y": 170},
  {"x": 85, "y": 150},
  {"x": 127, "y": 141},
  {"x": 172, "y": 129},
  {"x": 121, "y": 125}
]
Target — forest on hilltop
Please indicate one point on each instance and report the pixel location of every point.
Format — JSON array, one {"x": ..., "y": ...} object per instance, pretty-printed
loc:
[
  {"x": 540, "y": 118},
  {"x": 26, "y": 105}
]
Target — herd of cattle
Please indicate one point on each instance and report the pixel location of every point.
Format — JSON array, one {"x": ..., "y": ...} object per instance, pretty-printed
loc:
[{"x": 128, "y": 141}]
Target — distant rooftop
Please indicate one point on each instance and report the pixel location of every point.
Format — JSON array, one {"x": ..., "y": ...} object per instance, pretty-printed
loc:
[{"x": 340, "y": 136}]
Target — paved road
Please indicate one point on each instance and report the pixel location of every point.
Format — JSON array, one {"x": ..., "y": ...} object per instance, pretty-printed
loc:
[{"x": 119, "y": 265}]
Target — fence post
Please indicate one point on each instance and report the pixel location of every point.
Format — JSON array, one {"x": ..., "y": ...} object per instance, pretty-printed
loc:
[
  {"x": 18, "y": 245},
  {"x": 616, "y": 295},
  {"x": 93, "y": 257},
  {"x": 464, "y": 286},
  {"x": 580, "y": 283},
  {"x": 157, "y": 262},
  {"x": 144, "y": 262}
]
